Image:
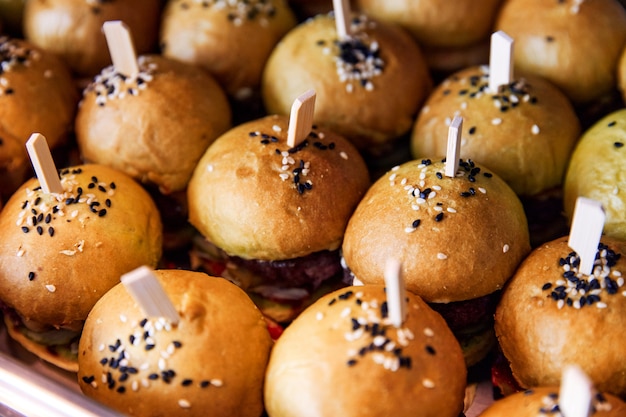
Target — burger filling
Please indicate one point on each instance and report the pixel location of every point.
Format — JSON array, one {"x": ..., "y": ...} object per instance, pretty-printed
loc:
[
  {"x": 282, "y": 288},
  {"x": 62, "y": 341}
]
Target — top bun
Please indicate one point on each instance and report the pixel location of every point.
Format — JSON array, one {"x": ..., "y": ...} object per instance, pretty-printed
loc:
[
  {"x": 574, "y": 44},
  {"x": 206, "y": 34},
  {"x": 153, "y": 127},
  {"x": 211, "y": 363},
  {"x": 73, "y": 29},
  {"x": 343, "y": 357},
  {"x": 457, "y": 238},
  {"x": 254, "y": 197},
  {"x": 59, "y": 253},
  {"x": 537, "y": 401},
  {"x": 596, "y": 171},
  {"x": 525, "y": 132},
  {"x": 437, "y": 24},
  {"x": 552, "y": 315},
  {"x": 369, "y": 86}
]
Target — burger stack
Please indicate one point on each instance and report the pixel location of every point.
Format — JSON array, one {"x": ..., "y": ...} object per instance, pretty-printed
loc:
[{"x": 43, "y": 86}]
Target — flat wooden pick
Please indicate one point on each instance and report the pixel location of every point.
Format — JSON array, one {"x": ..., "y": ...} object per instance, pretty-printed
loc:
[
  {"x": 500, "y": 61},
  {"x": 121, "y": 48},
  {"x": 576, "y": 393},
  {"x": 395, "y": 290},
  {"x": 43, "y": 164},
  {"x": 301, "y": 118},
  {"x": 586, "y": 231},
  {"x": 342, "y": 18},
  {"x": 454, "y": 146},
  {"x": 144, "y": 287}
]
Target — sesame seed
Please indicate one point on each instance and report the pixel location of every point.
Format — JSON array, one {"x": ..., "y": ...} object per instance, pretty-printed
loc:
[
  {"x": 31, "y": 276},
  {"x": 442, "y": 256},
  {"x": 51, "y": 288},
  {"x": 534, "y": 130},
  {"x": 184, "y": 403},
  {"x": 217, "y": 382},
  {"x": 496, "y": 121},
  {"x": 428, "y": 383},
  {"x": 505, "y": 248}
]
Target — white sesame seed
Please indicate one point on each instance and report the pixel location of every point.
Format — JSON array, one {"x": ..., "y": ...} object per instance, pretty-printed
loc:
[
  {"x": 209, "y": 168},
  {"x": 20, "y": 252},
  {"x": 409, "y": 229},
  {"x": 378, "y": 358},
  {"x": 436, "y": 188},
  {"x": 482, "y": 190},
  {"x": 438, "y": 208},
  {"x": 560, "y": 304},
  {"x": 184, "y": 403},
  {"x": 51, "y": 288},
  {"x": 393, "y": 176},
  {"x": 428, "y": 332},
  {"x": 162, "y": 364},
  {"x": 134, "y": 385},
  {"x": 319, "y": 315},
  {"x": 497, "y": 121},
  {"x": 145, "y": 383},
  {"x": 123, "y": 318},
  {"x": 442, "y": 256},
  {"x": 535, "y": 130},
  {"x": 101, "y": 347},
  {"x": 343, "y": 155},
  {"x": 217, "y": 382},
  {"x": 428, "y": 383},
  {"x": 277, "y": 128},
  {"x": 451, "y": 210},
  {"x": 601, "y": 304},
  {"x": 346, "y": 312},
  {"x": 505, "y": 248},
  {"x": 615, "y": 190}
]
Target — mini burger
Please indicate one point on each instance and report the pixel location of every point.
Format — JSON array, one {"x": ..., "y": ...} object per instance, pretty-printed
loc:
[
  {"x": 596, "y": 169},
  {"x": 272, "y": 215},
  {"x": 60, "y": 252},
  {"x": 209, "y": 363},
  {"x": 544, "y": 401},
  {"x": 343, "y": 357},
  {"x": 551, "y": 314},
  {"x": 459, "y": 239},
  {"x": 72, "y": 29},
  {"x": 525, "y": 131},
  {"x": 453, "y": 35},
  {"x": 575, "y": 44},
  {"x": 370, "y": 84}
]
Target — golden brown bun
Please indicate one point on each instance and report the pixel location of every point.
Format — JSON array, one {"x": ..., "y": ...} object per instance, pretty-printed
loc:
[
  {"x": 530, "y": 403},
  {"x": 437, "y": 24},
  {"x": 38, "y": 94},
  {"x": 207, "y": 35},
  {"x": 72, "y": 29},
  {"x": 223, "y": 341},
  {"x": 157, "y": 135},
  {"x": 469, "y": 252},
  {"x": 596, "y": 171},
  {"x": 239, "y": 201},
  {"x": 310, "y": 372},
  {"x": 55, "y": 355},
  {"x": 621, "y": 74},
  {"x": 305, "y": 58},
  {"x": 527, "y": 144},
  {"x": 539, "y": 338},
  {"x": 550, "y": 38},
  {"x": 79, "y": 254}
]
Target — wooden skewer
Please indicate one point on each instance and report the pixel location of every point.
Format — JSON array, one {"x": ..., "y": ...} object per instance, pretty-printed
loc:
[
  {"x": 301, "y": 118},
  {"x": 575, "y": 393},
  {"x": 43, "y": 164},
  {"x": 144, "y": 287},
  {"x": 500, "y": 61},
  {"x": 121, "y": 48},
  {"x": 586, "y": 231},
  {"x": 454, "y": 146},
  {"x": 395, "y": 290},
  {"x": 342, "y": 18}
]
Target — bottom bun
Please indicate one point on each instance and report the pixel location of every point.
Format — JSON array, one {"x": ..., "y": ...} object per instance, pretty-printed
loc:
[
  {"x": 543, "y": 401},
  {"x": 62, "y": 356}
]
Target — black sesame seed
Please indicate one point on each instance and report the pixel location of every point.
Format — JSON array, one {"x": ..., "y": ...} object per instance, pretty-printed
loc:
[
  {"x": 123, "y": 377},
  {"x": 89, "y": 379},
  {"x": 416, "y": 223},
  {"x": 51, "y": 231},
  {"x": 102, "y": 213},
  {"x": 612, "y": 123},
  {"x": 618, "y": 144},
  {"x": 112, "y": 186},
  {"x": 351, "y": 362},
  {"x": 177, "y": 344},
  {"x": 101, "y": 188},
  {"x": 430, "y": 350},
  {"x": 186, "y": 382},
  {"x": 149, "y": 346},
  {"x": 39, "y": 230},
  {"x": 439, "y": 175},
  {"x": 104, "y": 361},
  {"x": 546, "y": 286},
  {"x": 25, "y": 229},
  {"x": 31, "y": 276},
  {"x": 439, "y": 217},
  {"x": 153, "y": 376},
  {"x": 204, "y": 384},
  {"x": 331, "y": 302}
]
